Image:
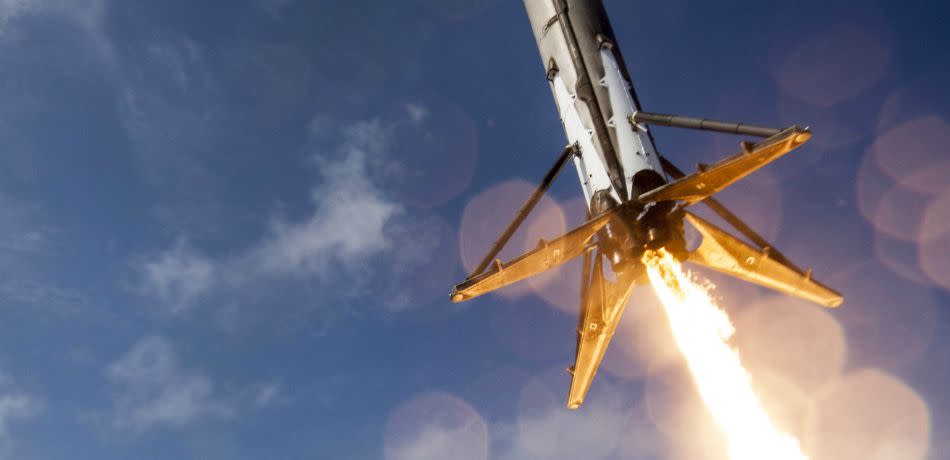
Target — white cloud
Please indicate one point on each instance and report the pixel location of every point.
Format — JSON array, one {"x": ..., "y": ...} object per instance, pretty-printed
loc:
[
  {"x": 41, "y": 295},
  {"x": 170, "y": 106},
  {"x": 435, "y": 425},
  {"x": 437, "y": 442},
  {"x": 87, "y": 14},
  {"x": 417, "y": 112},
  {"x": 19, "y": 230},
  {"x": 266, "y": 394},
  {"x": 24, "y": 246},
  {"x": 343, "y": 234},
  {"x": 15, "y": 406},
  {"x": 607, "y": 426},
  {"x": 10, "y": 9},
  {"x": 592, "y": 432},
  {"x": 155, "y": 390},
  {"x": 179, "y": 276},
  {"x": 349, "y": 214},
  {"x": 177, "y": 64}
]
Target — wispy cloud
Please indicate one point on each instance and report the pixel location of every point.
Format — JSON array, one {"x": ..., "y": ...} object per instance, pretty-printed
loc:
[
  {"x": 15, "y": 406},
  {"x": 554, "y": 434},
  {"x": 436, "y": 442},
  {"x": 172, "y": 109},
  {"x": 20, "y": 230},
  {"x": 612, "y": 424},
  {"x": 178, "y": 276},
  {"x": 435, "y": 425},
  {"x": 180, "y": 116},
  {"x": 26, "y": 241},
  {"x": 607, "y": 426},
  {"x": 9, "y": 9},
  {"x": 41, "y": 295},
  {"x": 86, "y": 14},
  {"x": 170, "y": 105},
  {"x": 265, "y": 394},
  {"x": 347, "y": 224},
  {"x": 353, "y": 231},
  {"x": 153, "y": 389},
  {"x": 417, "y": 112}
]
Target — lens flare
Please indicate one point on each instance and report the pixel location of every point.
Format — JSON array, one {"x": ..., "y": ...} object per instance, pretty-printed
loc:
[{"x": 701, "y": 331}]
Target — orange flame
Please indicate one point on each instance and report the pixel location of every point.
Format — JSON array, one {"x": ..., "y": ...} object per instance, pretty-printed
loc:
[{"x": 701, "y": 331}]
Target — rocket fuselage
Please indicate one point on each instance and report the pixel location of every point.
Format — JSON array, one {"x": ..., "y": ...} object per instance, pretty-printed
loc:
[{"x": 595, "y": 98}]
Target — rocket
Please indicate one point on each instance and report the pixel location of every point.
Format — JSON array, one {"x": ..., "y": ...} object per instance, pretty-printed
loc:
[{"x": 637, "y": 200}]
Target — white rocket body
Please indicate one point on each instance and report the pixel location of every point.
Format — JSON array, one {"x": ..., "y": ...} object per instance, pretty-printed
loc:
[{"x": 595, "y": 100}]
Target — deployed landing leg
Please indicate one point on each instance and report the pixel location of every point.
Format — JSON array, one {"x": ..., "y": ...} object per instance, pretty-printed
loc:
[
  {"x": 526, "y": 209},
  {"x": 602, "y": 301},
  {"x": 602, "y": 305},
  {"x": 761, "y": 264}
]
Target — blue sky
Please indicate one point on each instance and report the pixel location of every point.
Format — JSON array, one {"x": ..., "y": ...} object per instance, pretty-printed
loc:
[{"x": 228, "y": 230}]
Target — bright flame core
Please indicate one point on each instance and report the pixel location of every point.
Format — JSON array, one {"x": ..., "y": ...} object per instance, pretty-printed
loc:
[{"x": 701, "y": 330}]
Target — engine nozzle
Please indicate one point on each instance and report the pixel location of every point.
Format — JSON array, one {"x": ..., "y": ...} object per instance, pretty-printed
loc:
[{"x": 661, "y": 226}]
